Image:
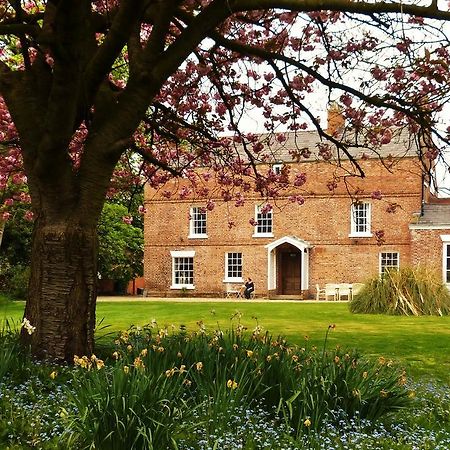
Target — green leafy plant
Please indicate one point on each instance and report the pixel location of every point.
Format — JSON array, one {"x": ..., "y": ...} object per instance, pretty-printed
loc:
[
  {"x": 161, "y": 375},
  {"x": 165, "y": 388},
  {"x": 124, "y": 407},
  {"x": 403, "y": 292},
  {"x": 9, "y": 349},
  {"x": 121, "y": 246}
]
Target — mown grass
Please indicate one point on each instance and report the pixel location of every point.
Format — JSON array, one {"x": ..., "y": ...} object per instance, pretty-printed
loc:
[
  {"x": 218, "y": 386},
  {"x": 419, "y": 343}
]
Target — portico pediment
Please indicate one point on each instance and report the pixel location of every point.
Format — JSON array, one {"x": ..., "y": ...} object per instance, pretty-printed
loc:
[{"x": 293, "y": 240}]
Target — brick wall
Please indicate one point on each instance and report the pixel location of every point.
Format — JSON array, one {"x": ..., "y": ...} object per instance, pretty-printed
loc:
[
  {"x": 427, "y": 248},
  {"x": 323, "y": 221}
]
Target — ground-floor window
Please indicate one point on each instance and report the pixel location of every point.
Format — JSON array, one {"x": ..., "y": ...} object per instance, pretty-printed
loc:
[
  {"x": 182, "y": 269},
  {"x": 233, "y": 266},
  {"x": 389, "y": 261},
  {"x": 446, "y": 263}
]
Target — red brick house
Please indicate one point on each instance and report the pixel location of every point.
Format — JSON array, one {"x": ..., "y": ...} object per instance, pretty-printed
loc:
[{"x": 329, "y": 239}]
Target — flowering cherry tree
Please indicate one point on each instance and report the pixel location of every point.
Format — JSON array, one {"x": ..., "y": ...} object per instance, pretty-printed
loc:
[{"x": 86, "y": 83}]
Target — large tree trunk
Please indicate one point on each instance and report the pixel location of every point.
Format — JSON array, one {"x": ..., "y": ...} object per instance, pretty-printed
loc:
[{"x": 62, "y": 291}]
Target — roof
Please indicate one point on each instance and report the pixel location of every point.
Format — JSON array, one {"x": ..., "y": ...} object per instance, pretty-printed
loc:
[
  {"x": 306, "y": 146},
  {"x": 434, "y": 216}
]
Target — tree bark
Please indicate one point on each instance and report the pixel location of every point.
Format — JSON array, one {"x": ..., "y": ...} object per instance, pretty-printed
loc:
[{"x": 62, "y": 291}]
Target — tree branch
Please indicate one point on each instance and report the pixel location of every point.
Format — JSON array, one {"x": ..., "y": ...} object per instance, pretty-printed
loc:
[
  {"x": 156, "y": 162},
  {"x": 356, "y": 7},
  {"x": 123, "y": 23},
  {"x": 400, "y": 105},
  {"x": 19, "y": 29}
]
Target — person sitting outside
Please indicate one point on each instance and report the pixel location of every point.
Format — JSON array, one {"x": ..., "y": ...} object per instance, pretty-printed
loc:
[{"x": 249, "y": 288}]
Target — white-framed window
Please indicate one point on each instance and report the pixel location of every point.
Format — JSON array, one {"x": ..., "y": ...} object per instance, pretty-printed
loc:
[
  {"x": 277, "y": 168},
  {"x": 182, "y": 269},
  {"x": 264, "y": 223},
  {"x": 197, "y": 222},
  {"x": 233, "y": 267},
  {"x": 389, "y": 261},
  {"x": 446, "y": 258},
  {"x": 447, "y": 263},
  {"x": 360, "y": 218}
]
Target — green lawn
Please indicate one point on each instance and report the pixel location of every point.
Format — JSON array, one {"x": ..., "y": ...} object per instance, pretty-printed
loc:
[{"x": 421, "y": 344}]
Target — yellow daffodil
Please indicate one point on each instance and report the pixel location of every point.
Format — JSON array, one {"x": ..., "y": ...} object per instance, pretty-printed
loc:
[
  {"x": 138, "y": 363},
  {"x": 100, "y": 364},
  {"x": 170, "y": 372},
  {"x": 307, "y": 422},
  {"x": 231, "y": 384},
  {"x": 28, "y": 327}
]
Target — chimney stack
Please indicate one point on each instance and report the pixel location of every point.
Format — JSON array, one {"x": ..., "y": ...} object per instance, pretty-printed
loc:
[{"x": 335, "y": 119}]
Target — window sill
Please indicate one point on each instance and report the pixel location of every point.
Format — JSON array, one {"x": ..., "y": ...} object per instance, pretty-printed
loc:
[
  {"x": 198, "y": 236},
  {"x": 182, "y": 286},
  {"x": 262, "y": 235},
  {"x": 233, "y": 280},
  {"x": 360, "y": 235}
]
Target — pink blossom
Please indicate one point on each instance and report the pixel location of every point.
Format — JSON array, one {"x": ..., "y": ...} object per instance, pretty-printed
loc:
[
  {"x": 18, "y": 179},
  {"x": 379, "y": 74},
  {"x": 377, "y": 195},
  {"x": 142, "y": 209},
  {"x": 399, "y": 73},
  {"x": 266, "y": 208},
  {"x": 8, "y": 202},
  {"x": 379, "y": 236},
  {"x": 240, "y": 201},
  {"x": 127, "y": 219},
  {"x": 392, "y": 208},
  {"x": 332, "y": 185},
  {"x": 386, "y": 137},
  {"x": 297, "y": 199},
  {"x": 346, "y": 99},
  {"x": 6, "y": 215},
  {"x": 184, "y": 193},
  {"x": 29, "y": 216},
  {"x": 300, "y": 179}
]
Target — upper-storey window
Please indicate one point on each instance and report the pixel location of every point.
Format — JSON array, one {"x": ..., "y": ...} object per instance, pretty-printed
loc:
[
  {"x": 360, "y": 220},
  {"x": 389, "y": 261},
  {"x": 277, "y": 168},
  {"x": 264, "y": 223},
  {"x": 197, "y": 224}
]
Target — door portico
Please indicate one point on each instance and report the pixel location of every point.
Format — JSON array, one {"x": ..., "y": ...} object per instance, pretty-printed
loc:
[{"x": 288, "y": 266}]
